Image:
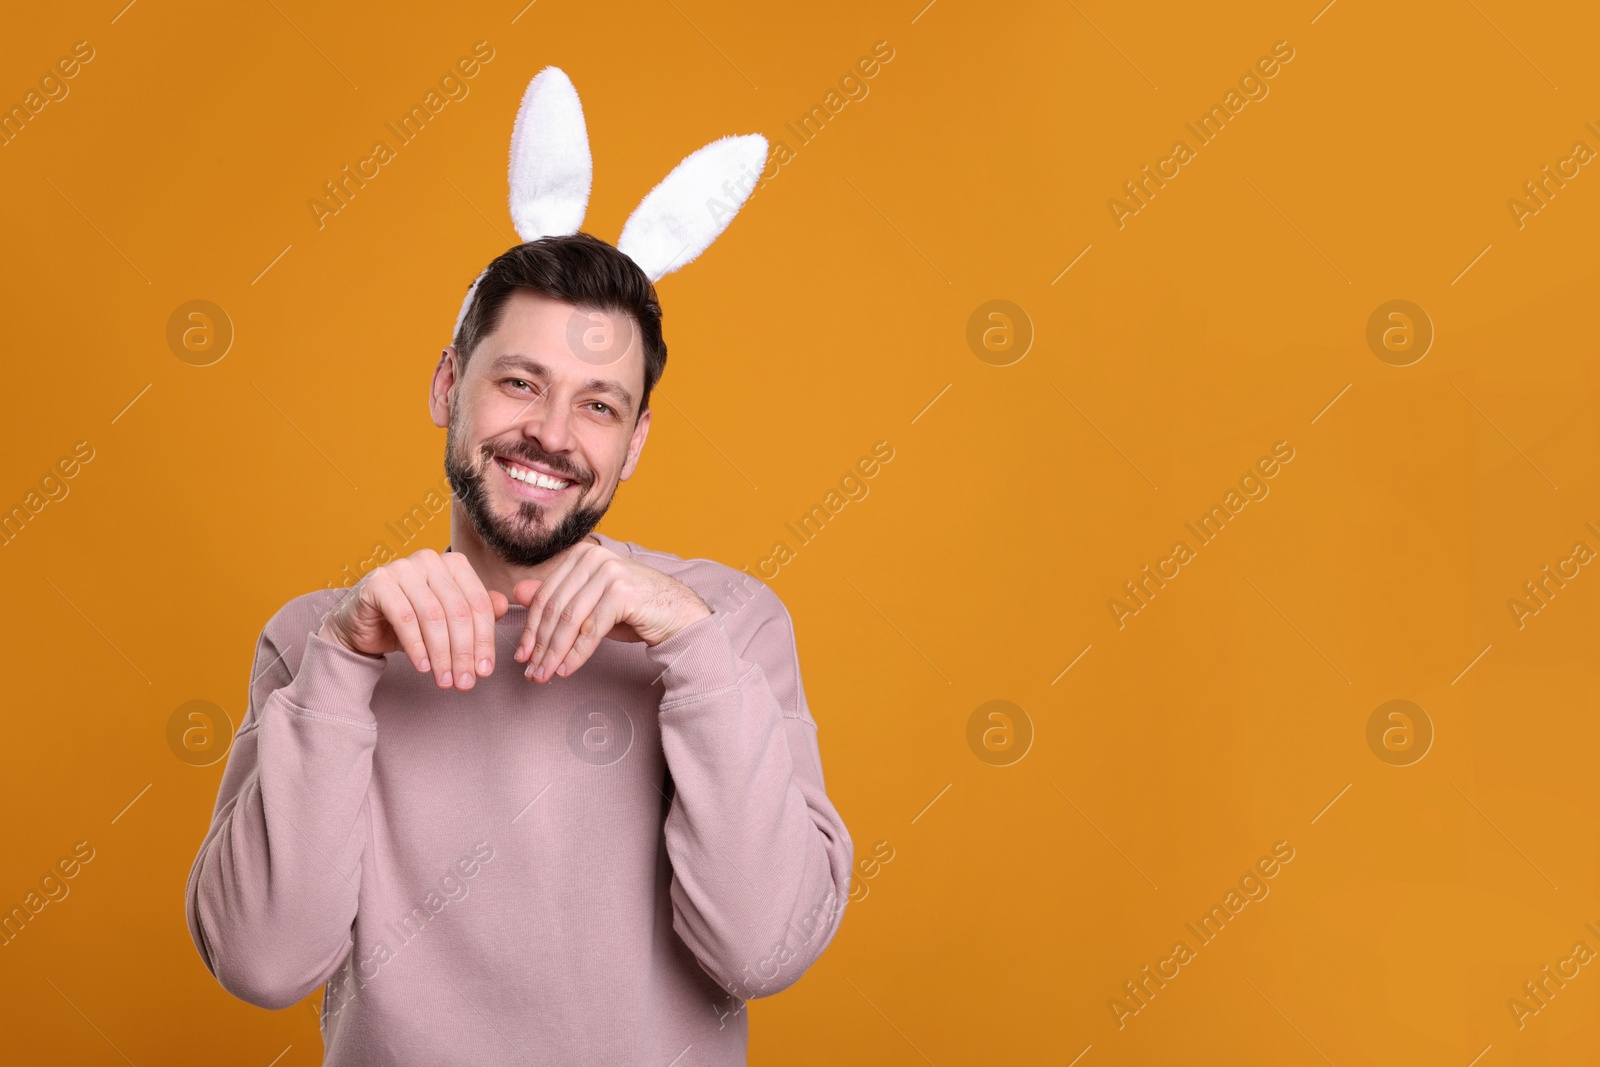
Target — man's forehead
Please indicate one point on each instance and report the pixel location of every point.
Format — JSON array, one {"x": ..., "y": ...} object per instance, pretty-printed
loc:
[
  {"x": 555, "y": 338},
  {"x": 527, "y": 310}
]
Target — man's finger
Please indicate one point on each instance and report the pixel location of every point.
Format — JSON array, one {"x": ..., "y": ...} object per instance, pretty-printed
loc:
[
  {"x": 458, "y": 623},
  {"x": 429, "y": 615},
  {"x": 563, "y": 611},
  {"x": 596, "y": 628},
  {"x": 402, "y": 619},
  {"x": 536, "y": 606},
  {"x": 572, "y": 615},
  {"x": 523, "y": 591},
  {"x": 477, "y": 597}
]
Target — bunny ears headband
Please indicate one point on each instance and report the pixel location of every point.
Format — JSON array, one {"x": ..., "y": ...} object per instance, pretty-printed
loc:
[{"x": 551, "y": 172}]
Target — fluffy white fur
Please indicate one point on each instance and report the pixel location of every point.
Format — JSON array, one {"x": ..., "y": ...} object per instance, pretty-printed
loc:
[
  {"x": 551, "y": 169},
  {"x": 691, "y": 207},
  {"x": 552, "y": 172}
]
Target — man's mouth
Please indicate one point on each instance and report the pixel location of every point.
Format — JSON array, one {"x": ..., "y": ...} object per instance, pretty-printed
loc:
[{"x": 532, "y": 481}]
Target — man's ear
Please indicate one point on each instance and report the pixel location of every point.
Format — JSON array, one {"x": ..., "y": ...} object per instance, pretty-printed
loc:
[
  {"x": 444, "y": 379},
  {"x": 636, "y": 445}
]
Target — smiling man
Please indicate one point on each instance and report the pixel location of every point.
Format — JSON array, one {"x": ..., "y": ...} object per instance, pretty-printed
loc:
[{"x": 547, "y": 796}]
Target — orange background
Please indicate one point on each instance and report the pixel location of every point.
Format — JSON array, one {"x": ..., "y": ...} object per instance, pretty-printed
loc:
[{"x": 1224, "y": 317}]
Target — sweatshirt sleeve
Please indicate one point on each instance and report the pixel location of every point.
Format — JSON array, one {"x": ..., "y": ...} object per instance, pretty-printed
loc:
[
  {"x": 760, "y": 858},
  {"x": 272, "y": 895}
]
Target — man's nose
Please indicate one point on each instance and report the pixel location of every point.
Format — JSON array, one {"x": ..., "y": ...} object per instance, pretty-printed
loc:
[{"x": 549, "y": 422}]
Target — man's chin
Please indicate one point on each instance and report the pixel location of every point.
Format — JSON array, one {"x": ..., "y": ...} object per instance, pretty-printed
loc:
[
  {"x": 529, "y": 532},
  {"x": 519, "y": 550},
  {"x": 525, "y": 535}
]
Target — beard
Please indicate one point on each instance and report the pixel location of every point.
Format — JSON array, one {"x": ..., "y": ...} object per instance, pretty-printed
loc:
[{"x": 525, "y": 538}]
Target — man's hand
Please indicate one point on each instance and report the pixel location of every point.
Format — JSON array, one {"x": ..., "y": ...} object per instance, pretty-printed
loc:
[
  {"x": 433, "y": 606},
  {"x": 594, "y": 593}
]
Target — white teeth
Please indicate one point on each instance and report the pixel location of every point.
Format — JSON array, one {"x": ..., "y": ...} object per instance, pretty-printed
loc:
[{"x": 543, "y": 481}]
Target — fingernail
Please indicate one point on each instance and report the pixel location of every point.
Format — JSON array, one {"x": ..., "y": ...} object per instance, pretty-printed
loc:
[
  {"x": 466, "y": 680},
  {"x": 424, "y": 663},
  {"x": 484, "y": 666},
  {"x": 445, "y": 680}
]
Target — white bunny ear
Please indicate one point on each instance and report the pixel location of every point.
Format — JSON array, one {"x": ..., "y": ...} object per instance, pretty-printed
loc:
[
  {"x": 551, "y": 169},
  {"x": 693, "y": 205}
]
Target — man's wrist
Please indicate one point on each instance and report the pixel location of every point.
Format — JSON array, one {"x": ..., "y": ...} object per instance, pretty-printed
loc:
[
  {"x": 698, "y": 609},
  {"x": 697, "y": 658},
  {"x": 330, "y": 633}
]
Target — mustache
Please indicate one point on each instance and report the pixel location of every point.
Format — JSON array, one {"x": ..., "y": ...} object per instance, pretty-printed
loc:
[{"x": 540, "y": 459}]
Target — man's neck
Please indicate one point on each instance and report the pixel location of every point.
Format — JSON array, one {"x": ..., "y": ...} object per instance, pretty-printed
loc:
[{"x": 494, "y": 571}]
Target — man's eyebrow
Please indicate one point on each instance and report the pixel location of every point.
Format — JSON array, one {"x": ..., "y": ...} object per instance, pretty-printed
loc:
[{"x": 534, "y": 369}]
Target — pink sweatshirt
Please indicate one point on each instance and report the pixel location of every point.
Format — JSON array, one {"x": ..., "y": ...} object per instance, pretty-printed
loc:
[{"x": 597, "y": 870}]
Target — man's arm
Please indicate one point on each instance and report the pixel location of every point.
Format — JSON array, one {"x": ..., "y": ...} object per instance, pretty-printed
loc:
[
  {"x": 761, "y": 860},
  {"x": 272, "y": 894}
]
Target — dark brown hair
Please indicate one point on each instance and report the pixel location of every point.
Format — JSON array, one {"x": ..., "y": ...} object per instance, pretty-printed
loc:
[{"x": 576, "y": 269}]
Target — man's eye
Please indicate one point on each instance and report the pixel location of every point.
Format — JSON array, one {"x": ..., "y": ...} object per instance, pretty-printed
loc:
[
  {"x": 517, "y": 381},
  {"x": 603, "y": 407}
]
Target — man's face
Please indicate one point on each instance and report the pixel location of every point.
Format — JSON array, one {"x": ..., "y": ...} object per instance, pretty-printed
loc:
[{"x": 542, "y": 424}]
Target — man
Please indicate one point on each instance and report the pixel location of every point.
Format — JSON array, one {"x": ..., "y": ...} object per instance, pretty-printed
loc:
[{"x": 594, "y": 859}]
